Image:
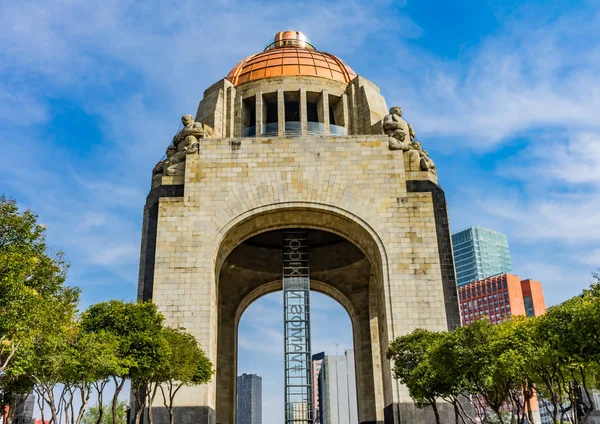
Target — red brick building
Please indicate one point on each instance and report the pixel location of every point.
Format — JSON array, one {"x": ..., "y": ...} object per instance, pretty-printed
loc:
[{"x": 499, "y": 297}]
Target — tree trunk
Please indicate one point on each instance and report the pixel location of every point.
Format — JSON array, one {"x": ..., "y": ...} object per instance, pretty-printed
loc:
[
  {"x": 53, "y": 410},
  {"x": 115, "y": 400},
  {"x": 100, "y": 391},
  {"x": 40, "y": 403},
  {"x": 500, "y": 416},
  {"x": 85, "y": 397},
  {"x": 151, "y": 401},
  {"x": 138, "y": 415},
  {"x": 464, "y": 413},
  {"x": 140, "y": 394},
  {"x": 455, "y": 415},
  {"x": 435, "y": 411},
  {"x": 587, "y": 392}
]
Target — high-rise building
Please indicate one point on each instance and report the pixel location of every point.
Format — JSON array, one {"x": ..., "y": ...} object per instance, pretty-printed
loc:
[
  {"x": 300, "y": 412},
  {"x": 25, "y": 404},
  {"x": 480, "y": 253},
  {"x": 336, "y": 386},
  {"x": 317, "y": 364},
  {"x": 499, "y": 297},
  {"x": 249, "y": 400}
]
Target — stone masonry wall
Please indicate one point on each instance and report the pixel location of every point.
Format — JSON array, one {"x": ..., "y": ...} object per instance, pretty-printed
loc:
[{"x": 357, "y": 178}]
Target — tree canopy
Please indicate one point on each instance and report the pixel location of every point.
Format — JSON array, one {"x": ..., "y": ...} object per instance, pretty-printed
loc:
[
  {"x": 502, "y": 368},
  {"x": 63, "y": 356}
]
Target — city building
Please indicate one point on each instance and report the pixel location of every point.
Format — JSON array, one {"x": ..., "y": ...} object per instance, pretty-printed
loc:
[
  {"x": 24, "y": 410},
  {"x": 249, "y": 399},
  {"x": 292, "y": 138},
  {"x": 317, "y": 364},
  {"x": 336, "y": 388},
  {"x": 480, "y": 253},
  {"x": 499, "y": 297},
  {"x": 546, "y": 408},
  {"x": 300, "y": 412}
]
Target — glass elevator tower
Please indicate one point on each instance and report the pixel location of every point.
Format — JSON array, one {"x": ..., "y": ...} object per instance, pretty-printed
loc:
[{"x": 296, "y": 318}]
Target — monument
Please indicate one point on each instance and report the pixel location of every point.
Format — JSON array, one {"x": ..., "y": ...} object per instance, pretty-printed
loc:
[{"x": 293, "y": 145}]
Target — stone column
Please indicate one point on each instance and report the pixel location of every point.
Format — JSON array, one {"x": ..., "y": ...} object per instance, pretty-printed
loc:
[
  {"x": 323, "y": 110},
  {"x": 280, "y": 113},
  {"x": 226, "y": 366},
  {"x": 303, "y": 114},
  {"x": 259, "y": 113},
  {"x": 365, "y": 389},
  {"x": 345, "y": 113},
  {"x": 376, "y": 350},
  {"x": 228, "y": 119},
  {"x": 238, "y": 115},
  {"x": 353, "y": 109}
]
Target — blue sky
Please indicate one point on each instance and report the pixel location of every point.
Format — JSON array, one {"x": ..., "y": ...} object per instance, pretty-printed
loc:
[{"x": 504, "y": 95}]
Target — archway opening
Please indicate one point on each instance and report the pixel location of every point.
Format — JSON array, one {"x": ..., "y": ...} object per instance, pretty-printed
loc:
[
  {"x": 260, "y": 354},
  {"x": 251, "y": 270}
]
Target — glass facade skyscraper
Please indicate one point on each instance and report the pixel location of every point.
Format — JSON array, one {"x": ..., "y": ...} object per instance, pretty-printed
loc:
[
  {"x": 480, "y": 253},
  {"x": 249, "y": 399}
]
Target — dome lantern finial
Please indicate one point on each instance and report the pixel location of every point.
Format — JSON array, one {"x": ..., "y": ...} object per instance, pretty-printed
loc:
[{"x": 292, "y": 39}]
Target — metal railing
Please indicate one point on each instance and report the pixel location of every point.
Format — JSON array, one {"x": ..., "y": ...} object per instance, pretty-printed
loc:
[
  {"x": 293, "y": 129},
  {"x": 337, "y": 130},
  {"x": 249, "y": 132},
  {"x": 315, "y": 128},
  {"x": 270, "y": 130}
]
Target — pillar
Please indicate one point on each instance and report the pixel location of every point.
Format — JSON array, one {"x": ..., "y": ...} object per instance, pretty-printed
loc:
[
  {"x": 323, "y": 110},
  {"x": 280, "y": 113},
  {"x": 238, "y": 116},
  {"x": 345, "y": 113},
  {"x": 303, "y": 113},
  {"x": 259, "y": 113}
]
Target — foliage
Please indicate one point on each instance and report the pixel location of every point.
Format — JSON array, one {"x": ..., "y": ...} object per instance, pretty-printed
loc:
[
  {"x": 186, "y": 365},
  {"x": 93, "y": 414},
  {"x": 64, "y": 358},
  {"x": 501, "y": 368},
  {"x": 33, "y": 296},
  {"x": 142, "y": 348}
]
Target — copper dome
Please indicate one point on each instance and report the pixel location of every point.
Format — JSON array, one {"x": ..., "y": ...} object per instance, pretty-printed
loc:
[{"x": 290, "y": 54}]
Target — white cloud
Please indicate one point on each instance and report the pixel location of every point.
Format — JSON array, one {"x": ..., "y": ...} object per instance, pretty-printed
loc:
[
  {"x": 568, "y": 158},
  {"x": 524, "y": 77},
  {"x": 115, "y": 255},
  {"x": 558, "y": 282}
]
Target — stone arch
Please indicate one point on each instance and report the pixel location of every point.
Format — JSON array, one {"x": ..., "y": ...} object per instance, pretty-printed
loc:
[
  {"x": 306, "y": 215},
  {"x": 363, "y": 299},
  {"x": 315, "y": 285}
]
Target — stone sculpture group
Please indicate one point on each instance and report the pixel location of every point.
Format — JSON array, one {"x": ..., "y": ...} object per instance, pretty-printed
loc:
[
  {"x": 185, "y": 142},
  {"x": 401, "y": 136}
]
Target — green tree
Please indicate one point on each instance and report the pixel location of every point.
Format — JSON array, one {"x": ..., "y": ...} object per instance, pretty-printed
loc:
[
  {"x": 483, "y": 365},
  {"x": 33, "y": 296},
  {"x": 93, "y": 415},
  {"x": 137, "y": 328},
  {"x": 408, "y": 353},
  {"x": 93, "y": 362},
  {"x": 47, "y": 362},
  {"x": 444, "y": 360},
  {"x": 186, "y": 365}
]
